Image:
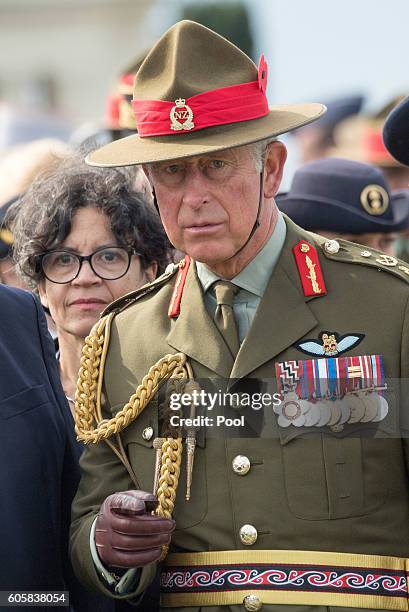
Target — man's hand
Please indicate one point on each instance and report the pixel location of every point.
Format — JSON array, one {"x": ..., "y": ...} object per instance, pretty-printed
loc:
[{"x": 126, "y": 533}]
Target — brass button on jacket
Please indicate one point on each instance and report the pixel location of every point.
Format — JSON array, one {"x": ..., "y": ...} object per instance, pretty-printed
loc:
[
  {"x": 147, "y": 433},
  {"x": 241, "y": 465},
  {"x": 252, "y": 603},
  {"x": 248, "y": 535}
]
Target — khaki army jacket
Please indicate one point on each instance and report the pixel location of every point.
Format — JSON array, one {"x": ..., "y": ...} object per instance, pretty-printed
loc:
[{"x": 307, "y": 490}]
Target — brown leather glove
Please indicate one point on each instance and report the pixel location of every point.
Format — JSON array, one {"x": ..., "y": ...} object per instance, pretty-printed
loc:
[{"x": 127, "y": 534}]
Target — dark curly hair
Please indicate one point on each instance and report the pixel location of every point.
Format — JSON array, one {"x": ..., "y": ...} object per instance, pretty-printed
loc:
[{"x": 41, "y": 219}]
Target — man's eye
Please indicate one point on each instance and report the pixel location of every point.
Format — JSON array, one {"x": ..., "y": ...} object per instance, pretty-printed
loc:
[
  {"x": 217, "y": 164},
  {"x": 174, "y": 169}
]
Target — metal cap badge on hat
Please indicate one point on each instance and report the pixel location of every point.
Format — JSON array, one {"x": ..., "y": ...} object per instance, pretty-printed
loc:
[{"x": 342, "y": 195}]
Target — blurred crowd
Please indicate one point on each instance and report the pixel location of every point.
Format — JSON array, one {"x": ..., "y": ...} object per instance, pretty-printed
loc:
[{"x": 80, "y": 237}]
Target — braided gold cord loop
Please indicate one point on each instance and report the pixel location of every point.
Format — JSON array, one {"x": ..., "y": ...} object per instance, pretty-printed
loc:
[
  {"x": 88, "y": 408},
  {"x": 88, "y": 377},
  {"x": 89, "y": 385}
]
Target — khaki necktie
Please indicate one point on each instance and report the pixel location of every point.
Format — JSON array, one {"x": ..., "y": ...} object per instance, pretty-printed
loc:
[{"x": 224, "y": 315}]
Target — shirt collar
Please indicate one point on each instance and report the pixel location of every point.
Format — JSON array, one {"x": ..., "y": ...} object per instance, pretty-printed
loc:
[{"x": 255, "y": 276}]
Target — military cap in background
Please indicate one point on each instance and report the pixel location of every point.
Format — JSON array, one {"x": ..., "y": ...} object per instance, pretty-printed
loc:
[
  {"x": 317, "y": 139},
  {"x": 396, "y": 132},
  {"x": 360, "y": 138},
  {"x": 344, "y": 196},
  {"x": 18, "y": 168},
  {"x": 120, "y": 119}
]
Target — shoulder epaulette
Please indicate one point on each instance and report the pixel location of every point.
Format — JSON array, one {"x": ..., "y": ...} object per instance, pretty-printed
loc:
[
  {"x": 349, "y": 252},
  {"x": 129, "y": 298}
]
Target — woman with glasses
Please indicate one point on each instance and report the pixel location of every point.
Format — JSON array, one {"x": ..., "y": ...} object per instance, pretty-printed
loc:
[{"x": 84, "y": 237}]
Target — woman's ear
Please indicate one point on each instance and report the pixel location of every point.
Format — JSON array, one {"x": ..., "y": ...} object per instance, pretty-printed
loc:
[
  {"x": 275, "y": 158},
  {"x": 151, "y": 271}
]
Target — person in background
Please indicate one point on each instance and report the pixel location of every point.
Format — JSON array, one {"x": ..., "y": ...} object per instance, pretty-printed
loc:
[
  {"x": 8, "y": 274},
  {"x": 21, "y": 124},
  {"x": 395, "y": 140},
  {"x": 316, "y": 140},
  {"x": 119, "y": 116},
  {"x": 118, "y": 121},
  {"x": 18, "y": 168},
  {"x": 360, "y": 138},
  {"x": 39, "y": 470},
  {"x": 83, "y": 238},
  {"x": 344, "y": 198},
  {"x": 396, "y": 132}
]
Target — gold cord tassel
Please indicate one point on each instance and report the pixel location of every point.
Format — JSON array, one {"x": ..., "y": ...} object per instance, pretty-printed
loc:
[
  {"x": 190, "y": 387},
  {"x": 157, "y": 445},
  {"x": 190, "y": 458}
]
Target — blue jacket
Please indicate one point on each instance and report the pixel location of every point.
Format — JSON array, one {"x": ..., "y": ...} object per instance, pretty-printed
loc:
[{"x": 39, "y": 469}]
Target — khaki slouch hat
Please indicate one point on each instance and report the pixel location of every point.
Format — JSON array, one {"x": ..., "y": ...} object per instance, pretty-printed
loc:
[{"x": 197, "y": 93}]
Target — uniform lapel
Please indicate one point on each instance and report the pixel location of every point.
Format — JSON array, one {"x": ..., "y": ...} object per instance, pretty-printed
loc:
[
  {"x": 283, "y": 316},
  {"x": 194, "y": 332}
]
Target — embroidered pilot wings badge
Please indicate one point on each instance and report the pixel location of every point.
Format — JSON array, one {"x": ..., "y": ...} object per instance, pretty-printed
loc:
[{"x": 329, "y": 344}]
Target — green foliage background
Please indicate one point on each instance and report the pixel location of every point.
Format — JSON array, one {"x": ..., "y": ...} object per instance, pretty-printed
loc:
[{"x": 230, "y": 19}]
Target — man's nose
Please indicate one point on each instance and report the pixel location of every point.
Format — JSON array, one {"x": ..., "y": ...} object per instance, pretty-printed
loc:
[
  {"x": 195, "y": 192},
  {"x": 86, "y": 276}
]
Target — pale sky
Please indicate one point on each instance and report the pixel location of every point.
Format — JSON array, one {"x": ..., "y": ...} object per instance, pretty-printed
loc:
[{"x": 321, "y": 48}]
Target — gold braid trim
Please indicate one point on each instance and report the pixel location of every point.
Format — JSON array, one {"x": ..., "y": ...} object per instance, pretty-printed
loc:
[
  {"x": 169, "y": 480},
  {"x": 169, "y": 475},
  {"x": 88, "y": 407},
  {"x": 89, "y": 387}
]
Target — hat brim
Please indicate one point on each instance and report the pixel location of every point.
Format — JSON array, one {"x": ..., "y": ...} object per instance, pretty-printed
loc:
[
  {"x": 318, "y": 214},
  {"x": 396, "y": 132},
  {"x": 136, "y": 150}
]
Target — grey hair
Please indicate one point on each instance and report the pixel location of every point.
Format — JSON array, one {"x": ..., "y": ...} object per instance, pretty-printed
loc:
[{"x": 259, "y": 150}]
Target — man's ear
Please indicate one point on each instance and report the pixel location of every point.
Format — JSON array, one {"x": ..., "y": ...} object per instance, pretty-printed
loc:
[
  {"x": 43, "y": 294},
  {"x": 146, "y": 172},
  {"x": 276, "y": 155}
]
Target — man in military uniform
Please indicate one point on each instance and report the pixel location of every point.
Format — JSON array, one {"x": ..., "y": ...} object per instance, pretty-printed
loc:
[
  {"x": 313, "y": 516},
  {"x": 338, "y": 197}
]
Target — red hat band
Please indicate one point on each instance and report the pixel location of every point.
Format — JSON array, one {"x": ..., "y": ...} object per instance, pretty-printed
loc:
[{"x": 222, "y": 106}]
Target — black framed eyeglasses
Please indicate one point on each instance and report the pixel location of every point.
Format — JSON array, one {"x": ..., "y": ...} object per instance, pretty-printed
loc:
[{"x": 109, "y": 263}]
